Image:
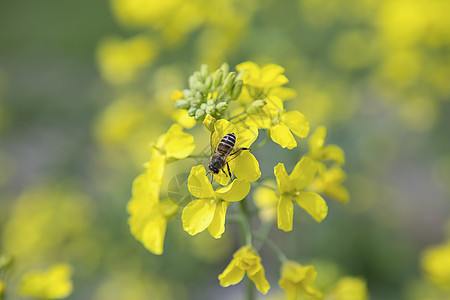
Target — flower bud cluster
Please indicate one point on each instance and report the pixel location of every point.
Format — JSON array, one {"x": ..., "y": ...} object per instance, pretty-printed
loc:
[{"x": 209, "y": 94}]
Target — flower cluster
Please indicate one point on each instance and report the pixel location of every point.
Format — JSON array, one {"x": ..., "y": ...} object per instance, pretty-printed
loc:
[
  {"x": 209, "y": 94},
  {"x": 235, "y": 107}
]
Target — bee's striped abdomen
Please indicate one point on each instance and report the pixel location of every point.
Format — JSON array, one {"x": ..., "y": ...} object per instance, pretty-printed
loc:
[{"x": 226, "y": 144}]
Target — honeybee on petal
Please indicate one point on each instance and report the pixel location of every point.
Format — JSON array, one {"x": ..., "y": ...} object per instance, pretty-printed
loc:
[{"x": 223, "y": 153}]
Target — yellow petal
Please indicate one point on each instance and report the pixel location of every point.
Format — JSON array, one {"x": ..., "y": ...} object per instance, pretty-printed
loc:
[
  {"x": 181, "y": 117},
  {"x": 317, "y": 139},
  {"x": 272, "y": 75},
  {"x": 145, "y": 193},
  {"x": 222, "y": 178},
  {"x": 295, "y": 277},
  {"x": 235, "y": 191},
  {"x": 217, "y": 226},
  {"x": 259, "y": 120},
  {"x": 232, "y": 274},
  {"x": 251, "y": 69},
  {"x": 333, "y": 152},
  {"x": 283, "y": 92},
  {"x": 281, "y": 135},
  {"x": 198, "y": 183},
  {"x": 282, "y": 178},
  {"x": 198, "y": 215},
  {"x": 153, "y": 235},
  {"x": 304, "y": 172},
  {"x": 261, "y": 283},
  {"x": 244, "y": 136},
  {"x": 178, "y": 144},
  {"x": 292, "y": 290},
  {"x": 297, "y": 123},
  {"x": 285, "y": 212},
  {"x": 314, "y": 205},
  {"x": 246, "y": 166},
  {"x": 266, "y": 201},
  {"x": 155, "y": 167}
]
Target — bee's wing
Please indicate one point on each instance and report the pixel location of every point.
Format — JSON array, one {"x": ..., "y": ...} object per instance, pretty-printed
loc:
[
  {"x": 214, "y": 141},
  {"x": 235, "y": 153}
]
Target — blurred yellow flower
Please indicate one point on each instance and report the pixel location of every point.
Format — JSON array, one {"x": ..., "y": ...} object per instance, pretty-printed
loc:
[
  {"x": 296, "y": 278},
  {"x": 291, "y": 188},
  {"x": 318, "y": 151},
  {"x": 246, "y": 259},
  {"x": 329, "y": 182},
  {"x": 148, "y": 216},
  {"x": 280, "y": 124},
  {"x": 209, "y": 211},
  {"x": 266, "y": 201},
  {"x": 263, "y": 82},
  {"x": 349, "y": 288},
  {"x": 120, "y": 60},
  {"x": 435, "y": 264},
  {"x": 54, "y": 283},
  {"x": 245, "y": 165},
  {"x": 181, "y": 117},
  {"x": 175, "y": 144}
]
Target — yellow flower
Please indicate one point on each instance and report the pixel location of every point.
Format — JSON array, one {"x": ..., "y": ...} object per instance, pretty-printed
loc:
[
  {"x": 296, "y": 278},
  {"x": 175, "y": 144},
  {"x": 329, "y": 182},
  {"x": 245, "y": 165},
  {"x": 317, "y": 150},
  {"x": 120, "y": 60},
  {"x": 148, "y": 216},
  {"x": 280, "y": 124},
  {"x": 246, "y": 259},
  {"x": 181, "y": 117},
  {"x": 177, "y": 95},
  {"x": 209, "y": 211},
  {"x": 263, "y": 82},
  {"x": 54, "y": 283},
  {"x": 436, "y": 264},
  {"x": 350, "y": 288},
  {"x": 291, "y": 189},
  {"x": 266, "y": 201}
]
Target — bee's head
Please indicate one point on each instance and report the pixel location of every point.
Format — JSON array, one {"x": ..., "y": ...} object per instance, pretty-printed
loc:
[{"x": 213, "y": 169}]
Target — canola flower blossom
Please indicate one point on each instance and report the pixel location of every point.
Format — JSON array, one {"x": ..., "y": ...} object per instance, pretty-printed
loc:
[
  {"x": 54, "y": 283},
  {"x": 247, "y": 102}
]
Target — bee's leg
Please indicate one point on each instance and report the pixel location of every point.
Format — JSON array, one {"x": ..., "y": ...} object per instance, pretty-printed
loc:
[{"x": 229, "y": 172}]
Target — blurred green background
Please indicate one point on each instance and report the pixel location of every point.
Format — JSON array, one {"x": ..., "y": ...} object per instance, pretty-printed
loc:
[{"x": 85, "y": 87}]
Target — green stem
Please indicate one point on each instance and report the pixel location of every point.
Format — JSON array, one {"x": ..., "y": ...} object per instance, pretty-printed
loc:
[
  {"x": 261, "y": 144},
  {"x": 260, "y": 184},
  {"x": 198, "y": 155},
  {"x": 238, "y": 115},
  {"x": 275, "y": 249},
  {"x": 250, "y": 289},
  {"x": 245, "y": 223}
]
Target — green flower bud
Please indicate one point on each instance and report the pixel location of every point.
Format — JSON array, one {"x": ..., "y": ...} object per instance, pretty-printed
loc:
[
  {"x": 208, "y": 83},
  {"x": 182, "y": 103},
  {"x": 191, "y": 82},
  {"x": 218, "y": 77},
  {"x": 200, "y": 87},
  {"x": 198, "y": 76},
  {"x": 196, "y": 103},
  {"x": 203, "y": 106},
  {"x": 222, "y": 96},
  {"x": 199, "y": 114},
  {"x": 255, "y": 106},
  {"x": 221, "y": 107},
  {"x": 229, "y": 81},
  {"x": 198, "y": 95},
  {"x": 225, "y": 68},
  {"x": 204, "y": 72},
  {"x": 191, "y": 111},
  {"x": 237, "y": 89},
  {"x": 210, "y": 101},
  {"x": 187, "y": 93},
  {"x": 209, "y": 109}
]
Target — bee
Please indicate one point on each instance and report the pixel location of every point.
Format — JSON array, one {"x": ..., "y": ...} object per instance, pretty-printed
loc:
[{"x": 223, "y": 153}]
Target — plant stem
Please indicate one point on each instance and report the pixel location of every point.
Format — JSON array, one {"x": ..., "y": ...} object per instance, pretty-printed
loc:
[
  {"x": 238, "y": 115},
  {"x": 275, "y": 249},
  {"x": 261, "y": 144},
  {"x": 245, "y": 223}
]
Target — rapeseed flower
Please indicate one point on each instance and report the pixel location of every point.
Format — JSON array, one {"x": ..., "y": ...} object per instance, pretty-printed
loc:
[
  {"x": 291, "y": 188},
  {"x": 245, "y": 165},
  {"x": 329, "y": 182},
  {"x": 246, "y": 259},
  {"x": 350, "y": 288},
  {"x": 296, "y": 278},
  {"x": 436, "y": 264},
  {"x": 149, "y": 216},
  {"x": 318, "y": 151},
  {"x": 209, "y": 211},
  {"x": 54, "y": 283},
  {"x": 280, "y": 124}
]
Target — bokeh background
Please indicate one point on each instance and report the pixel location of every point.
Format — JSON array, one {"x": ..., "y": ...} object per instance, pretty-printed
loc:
[{"x": 85, "y": 87}]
